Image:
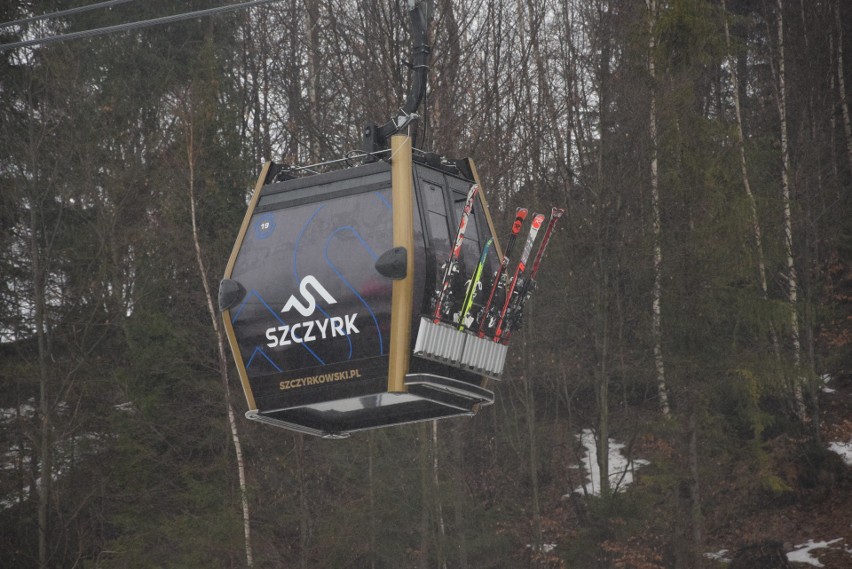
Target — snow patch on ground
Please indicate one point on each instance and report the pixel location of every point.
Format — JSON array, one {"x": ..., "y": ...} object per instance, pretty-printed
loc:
[
  {"x": 9, "y": 414},
  {"x": 844, "y": 450},
  {"x": 126, "y": 407},
  {"x": 621, "y": 468},
  {"x": 545, "y": 547},
  {"x": 802, "y": 553},
  {"x": 718, "y": 556}
]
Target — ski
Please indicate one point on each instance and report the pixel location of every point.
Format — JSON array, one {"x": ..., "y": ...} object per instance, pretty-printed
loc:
[
  {"x": 530, "y": 283},
  {"x": 501, "y": 270},
  {"x": 538, "y": 219},
  {"x": 555, "y": 215},
  {"x": 452, "y": 265},
  {"x": 464, "y": 319}
]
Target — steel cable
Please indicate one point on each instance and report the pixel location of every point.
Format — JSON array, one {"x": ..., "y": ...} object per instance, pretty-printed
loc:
[{"x": 134, "y": 25}]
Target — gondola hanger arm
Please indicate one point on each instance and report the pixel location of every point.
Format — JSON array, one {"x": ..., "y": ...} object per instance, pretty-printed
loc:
[{"x": 376, "y": 138}]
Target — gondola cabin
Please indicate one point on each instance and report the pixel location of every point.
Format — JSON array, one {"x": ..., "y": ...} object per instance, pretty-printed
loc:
[{"x": 328, "y": 296}]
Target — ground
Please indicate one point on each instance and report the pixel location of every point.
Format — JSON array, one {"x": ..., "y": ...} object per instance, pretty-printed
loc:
[{"x": 813, "y": 521}]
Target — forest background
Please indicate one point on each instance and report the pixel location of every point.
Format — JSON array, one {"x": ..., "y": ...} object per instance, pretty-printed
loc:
[{"x": 693, "y": 303}]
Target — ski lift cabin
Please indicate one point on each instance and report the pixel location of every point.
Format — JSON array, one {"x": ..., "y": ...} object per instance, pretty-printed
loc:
[{"x": 327, "y": 296}]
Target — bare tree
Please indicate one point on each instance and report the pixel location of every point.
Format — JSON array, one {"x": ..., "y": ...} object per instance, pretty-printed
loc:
[
  {"x": 657, "y": 294},
  {"x": 791, "y": 277},
  {"x": 755, "y": 220},
  {"x": 841, "y": 83},
  {"x": 193, "y": 147}
]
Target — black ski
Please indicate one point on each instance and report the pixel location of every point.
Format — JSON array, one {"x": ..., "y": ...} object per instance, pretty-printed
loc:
[
  {"x": 464, "y": 318},
  {"x": 452, "y": 266}
]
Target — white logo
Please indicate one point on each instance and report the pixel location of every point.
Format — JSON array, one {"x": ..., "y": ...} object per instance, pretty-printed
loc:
[
  {"x": 309, "y": 308},
  {"x": 311, "y": 330}
]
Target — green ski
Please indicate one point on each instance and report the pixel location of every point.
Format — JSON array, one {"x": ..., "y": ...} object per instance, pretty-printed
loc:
[{"x": 465, "y": 319}]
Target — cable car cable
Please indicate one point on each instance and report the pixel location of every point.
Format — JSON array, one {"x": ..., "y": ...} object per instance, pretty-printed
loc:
[
  {"x": 60, "y": 13},
  {"x": 135, "y": 25}
]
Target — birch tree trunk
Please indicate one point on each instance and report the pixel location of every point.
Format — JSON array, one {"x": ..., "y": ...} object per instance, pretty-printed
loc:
[
  {"x": 657, "y": 325},
  {"x": 792, "y": 278},
  {"x": 220, "y": 344},
  {"x": 755, "y": 219}
]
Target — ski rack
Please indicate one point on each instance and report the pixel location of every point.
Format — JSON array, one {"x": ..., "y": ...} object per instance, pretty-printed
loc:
[
  {"x": 447, "y": 344},
  {"x": 469, "y": 348}
]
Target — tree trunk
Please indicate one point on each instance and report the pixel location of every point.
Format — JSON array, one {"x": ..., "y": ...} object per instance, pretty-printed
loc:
[
  {"x": 39, "y": 282},
  {"x": 303, "y": 502},
  {"x": 792, "y": 279},
  {"x": 220, "y": 345},
  {"x": 423, "y": 562},
  {"x": 841, "y": 83},
  {"x": 314, "y": 64},
  {"x": 814, "y": 175},
  {"x": 441, "y": 548},
  {"x": 657, "y": 294},
  {"x": 695, "y": 490},
  {"x": 544, "y": 86},
  {"x": 532, "y": 447},
  {"x": 755, "y": 219},
  {"x": 832, "y": 129},
  {"x": 603, "y": 391},
  {"x": 458, "y": 510},
  {"x": 602, "y": 283},
  {"x": 46, "y": 429},
  {"x": 371, "y": 449}
]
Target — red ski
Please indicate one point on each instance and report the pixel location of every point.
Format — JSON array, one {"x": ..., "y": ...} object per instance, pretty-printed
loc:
[
  {"x": 501, "y": 270},
  {"x": 529, "y": 283},
  {"x": 538, "y": 219},
  {"x": 555, "y": 215}
]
